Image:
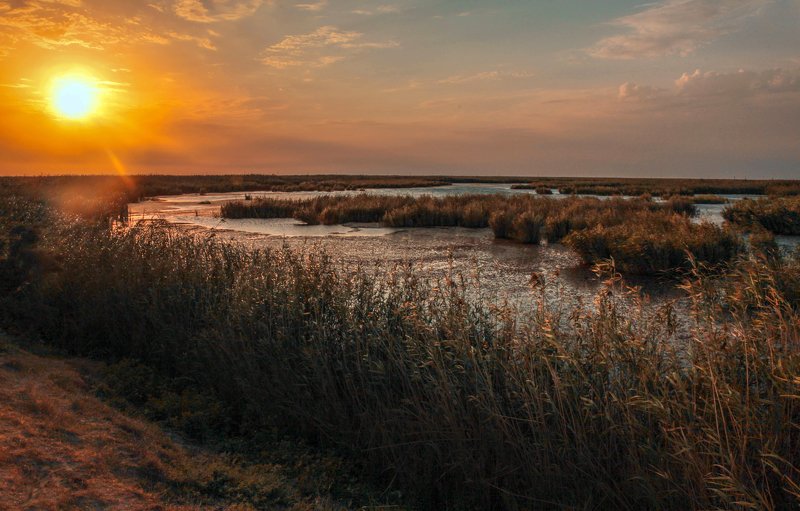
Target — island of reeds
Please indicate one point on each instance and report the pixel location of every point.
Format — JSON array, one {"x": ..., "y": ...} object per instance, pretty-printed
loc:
[{"x": 642, "y": 236}]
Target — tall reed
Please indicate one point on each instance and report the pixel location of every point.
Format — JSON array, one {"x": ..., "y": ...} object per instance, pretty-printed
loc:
[
  {"x": 459, "y": 404},
  {"x": 777, "y": 215},
  {"x": 649, "y": 244}
]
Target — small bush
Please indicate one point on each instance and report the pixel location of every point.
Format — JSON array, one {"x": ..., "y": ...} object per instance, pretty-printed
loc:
[
  {"x": 652, "y": 244},
  {"x": 777, "y": 215}
]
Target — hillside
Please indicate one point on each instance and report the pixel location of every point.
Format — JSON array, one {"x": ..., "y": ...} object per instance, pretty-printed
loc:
[{"x": 61, "y": 447}]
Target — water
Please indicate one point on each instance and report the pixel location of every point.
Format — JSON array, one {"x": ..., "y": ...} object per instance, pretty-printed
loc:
[
  {"x": 505, "y": 269},
  {"x": 199, "y": 210}
]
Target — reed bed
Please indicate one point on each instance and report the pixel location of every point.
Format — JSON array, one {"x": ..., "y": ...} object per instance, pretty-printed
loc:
[
  {"x": 705, "y": 199},
  {"x": 427, "y": 211},
  {"x": 779, "y": 215},
  {"x": 458, "y": 405},
  {"x": 665, "y": 187},
  {"x": 540, "y": 189},
  {"x": 402, "y": 211},
  {"x": 137, "y": 187},
  {"x": 127, "y": 189},
  {"x": 649, "y": 244},
  {"x": 643, "y": 236}
]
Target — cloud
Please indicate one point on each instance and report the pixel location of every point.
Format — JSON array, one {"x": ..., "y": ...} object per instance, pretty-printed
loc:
[
  {"x": 205, "y": 11},
  {"x": 699, "y": 86},
  {"x": 675, "y": 27},
  {"x": 323, "y": 47},
  {"x": 633, "y": 91},
  {"x": 314, "y": 7},
  {"x": 51, "y": 25},
  {"x": 739, "y": 84},
  {"x": 381, "y": 9},
  {"x": 61, "y": 23},
  {"x": 202, "y": 42},
  {"x": 484, "y": 76}
]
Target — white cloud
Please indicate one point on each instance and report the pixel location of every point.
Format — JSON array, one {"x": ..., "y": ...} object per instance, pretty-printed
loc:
[
  {"x": 381, "y": 9},
  {"x": 675, "y": 27},
  {"x": 313, "y": 7},
  {"x": 320, "y": 48}
]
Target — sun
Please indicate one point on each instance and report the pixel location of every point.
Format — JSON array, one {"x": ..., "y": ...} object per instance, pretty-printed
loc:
[{"x": 74, "y": 97}]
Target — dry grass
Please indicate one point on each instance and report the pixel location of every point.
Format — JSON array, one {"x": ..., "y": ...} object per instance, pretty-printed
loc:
[
  {"x": 779, "y": 215},
  {"x": 456, "y": 404},
  {"x": 643, "y": 236},
  {"x": 703, "y": 199},
  {"x": 651, "y": 244},
  {"x": 62, "y": 448},
  {"x": 665, "y": 187}
]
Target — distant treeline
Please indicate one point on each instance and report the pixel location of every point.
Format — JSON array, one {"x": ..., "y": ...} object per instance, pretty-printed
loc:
[
  {"x": 137, "y": 187},
  {"x": 641, "y": 235},
  {"x": 112, "y": 191},
  {"x": 134, "y": 188},
  {"x": 661, "y": 187}
]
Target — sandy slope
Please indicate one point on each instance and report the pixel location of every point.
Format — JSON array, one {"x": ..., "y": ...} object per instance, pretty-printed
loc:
[{"x": 62, "y": 448}]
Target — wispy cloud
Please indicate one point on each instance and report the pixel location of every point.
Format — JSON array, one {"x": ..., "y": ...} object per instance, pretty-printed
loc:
[
  {"x": 313, "y": 7},
  {"x": 675, "y": 27},
  {"x": 381, "y": 9},
  {"x": 202, "y": 42},
  {"x": 738, "y": 84},
  {"x": 632, "y": 91},
  {"x": 707, "y": 85},
  {"x": 219, "y": 10},
  {"x": 485, "y": 76},
  {"x": 63, "y": 23},
  {"x": 323, "y": 47},
  {"x": 51, "y": 26}
]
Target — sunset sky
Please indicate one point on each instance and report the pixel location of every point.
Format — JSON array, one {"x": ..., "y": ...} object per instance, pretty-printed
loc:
[{"x": 695, "y": 88}]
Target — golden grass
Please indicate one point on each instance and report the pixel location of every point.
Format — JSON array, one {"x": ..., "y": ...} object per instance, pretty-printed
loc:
[
  {"x": 62, "y": 448},
  {"x": 455, "y": 403},
  {"x": 459, "y": 404},
  {"x": 779, "y": 215}
]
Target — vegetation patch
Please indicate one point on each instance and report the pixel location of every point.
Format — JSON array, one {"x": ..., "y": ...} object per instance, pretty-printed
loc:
[
  {"x": 634, "y": 187},
  {"x": 776, "y": 215},
  {"x": 665, "y": 230},
  {"x": 650, "y": 244},
  {"x": 452, "y": 403}
]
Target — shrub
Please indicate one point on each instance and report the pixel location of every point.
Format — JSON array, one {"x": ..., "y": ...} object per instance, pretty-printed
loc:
[
  {"x": 707, "y": 199},
  {"x": 777, "y": 215},
  {"x": 527, "y": 227},
  {"x": 652, "y": 244}
]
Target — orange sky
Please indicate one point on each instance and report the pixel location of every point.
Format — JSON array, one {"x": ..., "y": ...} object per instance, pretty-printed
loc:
[{"x": 670, "y": 88}]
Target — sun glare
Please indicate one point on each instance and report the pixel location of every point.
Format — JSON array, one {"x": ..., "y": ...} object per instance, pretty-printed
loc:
[{"x": 74, "y": 97}]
